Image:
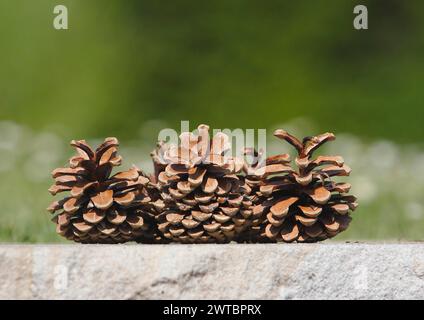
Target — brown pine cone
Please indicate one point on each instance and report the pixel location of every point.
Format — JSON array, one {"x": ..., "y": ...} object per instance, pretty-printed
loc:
[
  {"x": 101, "y": 208},
  {"x": 201, "y": 189},
  {"x": 153, "y": 208},
  {"x": 304, "y": 204},
  {"x": 255, "y": 231}
]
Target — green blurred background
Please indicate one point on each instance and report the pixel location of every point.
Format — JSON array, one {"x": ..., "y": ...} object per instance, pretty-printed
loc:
[{"x": 129, "y": 68}]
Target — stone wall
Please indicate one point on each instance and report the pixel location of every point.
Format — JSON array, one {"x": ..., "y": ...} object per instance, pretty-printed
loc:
[{"x": 256, "y": 271}]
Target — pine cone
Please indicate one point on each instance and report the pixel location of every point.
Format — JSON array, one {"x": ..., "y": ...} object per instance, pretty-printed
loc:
[
  {"x": 101, "y": 208},
  {"x": 201, "y": 189},
  {"x": 153, "y": 208},
  {"x": 305, "y": 205},
  {"x": 255, "y": 231}
]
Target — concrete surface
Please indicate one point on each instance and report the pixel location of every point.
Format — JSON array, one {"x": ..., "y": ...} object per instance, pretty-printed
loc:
[{"x": 234, "y": 271}]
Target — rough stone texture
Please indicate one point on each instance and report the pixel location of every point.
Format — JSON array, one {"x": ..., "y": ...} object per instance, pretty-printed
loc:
[{"x": 257, "y": 271}]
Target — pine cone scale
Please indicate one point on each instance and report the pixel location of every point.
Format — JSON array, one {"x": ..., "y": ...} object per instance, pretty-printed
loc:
[{"x": 94, "y": 216}]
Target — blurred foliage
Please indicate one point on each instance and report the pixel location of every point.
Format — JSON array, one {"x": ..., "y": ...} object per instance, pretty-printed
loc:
[
  {"x": 229, "y": 63},
  {"x": 248, "y": 64}
]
